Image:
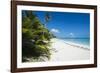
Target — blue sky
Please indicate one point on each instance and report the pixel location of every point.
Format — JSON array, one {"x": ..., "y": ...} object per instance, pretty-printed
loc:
[{"x": 67, "y": 24}]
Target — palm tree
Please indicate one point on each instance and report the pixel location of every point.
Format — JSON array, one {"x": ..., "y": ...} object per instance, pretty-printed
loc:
[
  {"x": 46, "y": 19},
  {"x": 32, "y": 40}
]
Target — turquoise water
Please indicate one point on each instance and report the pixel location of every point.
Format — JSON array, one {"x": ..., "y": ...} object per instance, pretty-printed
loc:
[{"x": 83, "y": 41}]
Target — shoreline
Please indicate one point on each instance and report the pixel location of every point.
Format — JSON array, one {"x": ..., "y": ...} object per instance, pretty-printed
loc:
[
  {"x": 67, "y": 51},
  {"x": 73, "y": 44}
]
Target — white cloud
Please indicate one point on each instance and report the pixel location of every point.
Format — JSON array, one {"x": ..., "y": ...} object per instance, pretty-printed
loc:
[
  {"x": 71, "y": 34},
  {"x": 55, "y": 30}
]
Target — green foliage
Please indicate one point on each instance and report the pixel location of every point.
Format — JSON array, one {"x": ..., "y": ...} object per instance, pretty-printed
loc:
[{"x": 33, "y": 36}]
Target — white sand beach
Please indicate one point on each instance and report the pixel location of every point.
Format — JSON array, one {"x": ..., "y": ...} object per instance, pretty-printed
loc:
[{"x": 68, "y": 51}]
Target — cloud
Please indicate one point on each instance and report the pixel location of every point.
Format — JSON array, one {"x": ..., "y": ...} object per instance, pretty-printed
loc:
[
  {"x": 55, "y": 30},
  {"x": 71, "y": 34}
]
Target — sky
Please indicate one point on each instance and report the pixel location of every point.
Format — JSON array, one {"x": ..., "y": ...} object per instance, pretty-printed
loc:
[{"x": 67, "y": 24}]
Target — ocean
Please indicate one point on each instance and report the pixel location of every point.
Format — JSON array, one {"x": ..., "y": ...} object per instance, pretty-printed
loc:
[{"x": 82, "y": 41}]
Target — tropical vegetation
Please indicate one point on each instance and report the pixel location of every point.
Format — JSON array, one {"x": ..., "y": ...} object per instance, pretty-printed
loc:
[{"x": 35, "y": 38}]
